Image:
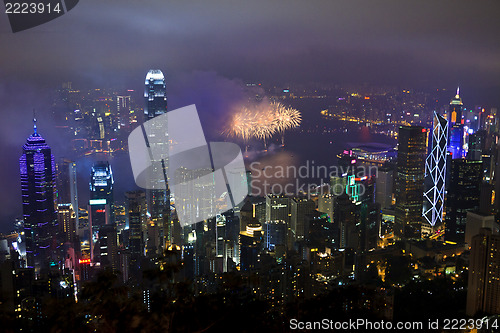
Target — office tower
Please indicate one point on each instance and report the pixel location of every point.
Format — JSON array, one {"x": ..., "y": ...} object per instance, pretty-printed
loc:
[
  {"x": 384, "y": 186},
  {"x": 278, "y": 208},
  {"x": 456, "y": 127},
  {"x": 483, "y": 290},
  {"x": 299, "y": 208},
  {"x": 123, "y": 108},
  {"x": 275, "y": 234},
  {"x": 320, "y": 232},
  {"x": 338, "y": 185},
  {"x": 435, "y": 173},
  {"x": 108, "y": 247},
  {"x": 476, "y": 145},
  {"x": 67, "y": 189},
  {"x": 158, "y": 200},
  {"x": 155, "y": 94},
  {"x": 258, "y": 206},
  {"x": 410, "y": 181},
  {"x": 346, "y": 218},
  {"x": 101, "y": 203},
  {"x": 137, "y": 222},
  {"x": 66, "y": 219},
  {"x": 250, "y": 246},
  {"x": 38, "y": 171},
  {"x": 325, "y": 205},
  {"x": 475, "y": 222},
  {"x": 463, "y": 196},
  {"x": 369, "y": 215},
  {"x": 220, "y": 235}
]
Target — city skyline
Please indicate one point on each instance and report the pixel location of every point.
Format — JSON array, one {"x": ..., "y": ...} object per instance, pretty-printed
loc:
[{"x": 254, "y": 166}]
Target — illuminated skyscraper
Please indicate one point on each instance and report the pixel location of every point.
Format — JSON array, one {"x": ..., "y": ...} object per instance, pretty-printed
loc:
[
  {"x": 38, "y": 170},
  {"x": 155, "y": 94},
  {"x": 456, "y": 127},
  {"x": 158, "y": 201},
  {"x": 410, "y": 181},
  {"x": 101, "y": 204},
  {"x": 435, "y": 173}
]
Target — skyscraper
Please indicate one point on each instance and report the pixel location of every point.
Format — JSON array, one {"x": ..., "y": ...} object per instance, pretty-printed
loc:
[
  {"x": 155, "y": 94},
  {"x": 101, "y": 204},
  {"x": 136, "y": 211},
  {"x": 299, "y": 208},
  {"x": 67, "y": 198},
  {"x": 435, "y": 173},
  {"x": 384, "y": 186},
  {"x": 456, "y": 127},
  {"x": 463, "y": 196},
  {"x": 410, "y": 181},
  {"x": 38, "y": 170},
  {"x": 158, "y": 201},
  {"x": 483, "y": 289}
]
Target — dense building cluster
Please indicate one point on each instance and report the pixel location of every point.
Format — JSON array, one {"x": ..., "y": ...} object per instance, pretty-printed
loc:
[{"x": 423, "y": 221}]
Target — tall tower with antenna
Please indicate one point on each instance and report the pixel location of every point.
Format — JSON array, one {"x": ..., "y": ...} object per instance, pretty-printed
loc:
[{"x": 37, "y": 170}]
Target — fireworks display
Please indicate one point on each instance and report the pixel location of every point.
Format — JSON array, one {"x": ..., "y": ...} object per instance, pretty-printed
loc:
[{"x": 263, "y": 122}]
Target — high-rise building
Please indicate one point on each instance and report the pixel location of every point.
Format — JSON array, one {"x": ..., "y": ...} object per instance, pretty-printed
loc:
[
  {"x": 278, "y": 208},
  {"x": 158, "y": 200},
  {"x": 435, "y": 173},
  {"x": 38, "y": 171},
  {"x": 456, "y": 127},
  {"x": 275, "y": 234},
  {"x": 66, "y": 219},
  {"x": 410, "y": 181},
  {"x": 299, "y": 208},
  {"x": 463, "y": 196},
  {"x": 476, "y": 221},
  {"x": 476, "y": 145},
  {"x": 384, "y": 186},
  {"x": 325, "y": 205},
  {"x": 137, "y": 221},
  {"x": 346, "y": 218},
  {"x": 155, "y": 94},
  {"x": 483, "y": 292},
  {"x": 123, "y": 108},
  {"x": 67, "y": 193},
  {"x": 101, "y": 203}
]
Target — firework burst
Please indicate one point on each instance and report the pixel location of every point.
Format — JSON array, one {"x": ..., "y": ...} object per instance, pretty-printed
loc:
[
  {"x": 285, "y": 118},
  {"x": 262, "y": 123}
]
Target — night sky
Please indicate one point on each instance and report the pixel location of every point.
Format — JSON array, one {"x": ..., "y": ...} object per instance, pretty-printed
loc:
[{"x": 214, "y": 47}]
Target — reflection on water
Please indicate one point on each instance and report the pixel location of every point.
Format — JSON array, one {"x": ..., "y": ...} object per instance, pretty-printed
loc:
[{"x": 307, "y": 160}]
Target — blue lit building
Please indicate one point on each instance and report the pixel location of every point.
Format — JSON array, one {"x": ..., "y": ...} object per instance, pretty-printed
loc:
[
  {"x": 435, "y": 173},
  {"x": 456, "y": 128},
  {"x": 38, "y": 170}
]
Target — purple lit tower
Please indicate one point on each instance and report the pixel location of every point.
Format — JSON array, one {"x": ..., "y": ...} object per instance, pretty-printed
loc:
[{"x": 38, "y": 170}]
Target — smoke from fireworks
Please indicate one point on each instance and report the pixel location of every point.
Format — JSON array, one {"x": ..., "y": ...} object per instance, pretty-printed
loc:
[{"x": 263, "y": 123}]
